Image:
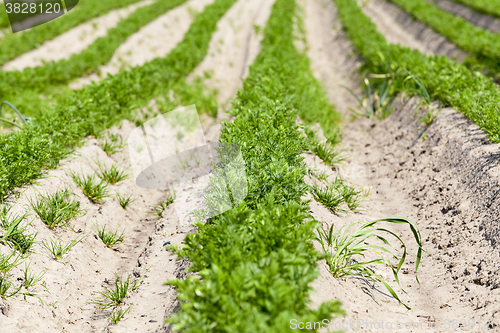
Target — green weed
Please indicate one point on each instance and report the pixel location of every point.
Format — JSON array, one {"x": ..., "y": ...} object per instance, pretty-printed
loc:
[
  {"x": 112, "y": 174},
  {"x": 16, "y": 235},
  {"x": 58, "y": 248},
  {"x": 109, "y": 238},
  {"x": 5, "y": 285},
  {"x": 6, "y": 264},
  {"x": 30, "y": 279},
  {"x": 111, "y": 143},
  {"x": 93, "y": 189},
  {"x": 117, "y": 314},
  {"x": 58, "y": 209},
  {"x": 335, "y": 194},
  {"x": 343, "y": 249},
  {"x": 160, "y": 208}
]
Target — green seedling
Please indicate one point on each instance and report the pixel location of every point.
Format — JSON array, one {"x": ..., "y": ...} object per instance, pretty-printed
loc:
[
  {"x": 58, "y": 209},
  {"x": 15, "y": 235},
  {"x": 114, "y": 296},
  {"x": 109, "y": 238},
  {"x": 124, "y": 200},
  {"x": 93, "y": 189},
  {"x": 112, "y": 174},
  {"x": 160, "y": 208},
  {"x": 30, "y": 279},
  {"x": 343, "y": 249},
  {"x": 117, "y": 314},
  {"x": 58, "y": 249}
]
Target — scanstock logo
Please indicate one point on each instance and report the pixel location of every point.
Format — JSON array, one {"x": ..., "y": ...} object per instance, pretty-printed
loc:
[
  {"x": 169, "y": 152},
  {"x": 25, "y": 14}
]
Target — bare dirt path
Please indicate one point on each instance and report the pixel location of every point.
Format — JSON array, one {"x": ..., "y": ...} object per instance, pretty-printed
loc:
[
  {"x": 445, "y": 184},
  {"x": 398, "y": 27},
  {"x": 74, "y": 41}
]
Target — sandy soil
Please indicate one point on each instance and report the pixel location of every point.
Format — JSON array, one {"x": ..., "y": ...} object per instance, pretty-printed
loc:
[
  {"x": 154, "y": 40},
  {"x": 479, "y": 20},
  {"x": 63, "y": 46},
  {"x": 399, "y": 28},
  {"x": 446, "y": 184}
]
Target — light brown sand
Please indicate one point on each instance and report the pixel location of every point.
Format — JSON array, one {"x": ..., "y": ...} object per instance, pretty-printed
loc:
[{"x": 74, "y": 41}]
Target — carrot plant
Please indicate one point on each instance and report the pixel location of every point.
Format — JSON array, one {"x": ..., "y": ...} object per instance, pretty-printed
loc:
[
  {"x": 344, "y": 249},
  {"x": 488, "y": 7},
  {"x": 14, "y": 45}
]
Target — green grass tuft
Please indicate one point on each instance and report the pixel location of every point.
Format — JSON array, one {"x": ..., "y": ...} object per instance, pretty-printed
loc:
[
  {"x": 336, "y": 195},
  {"x": 109, "y": 238}
]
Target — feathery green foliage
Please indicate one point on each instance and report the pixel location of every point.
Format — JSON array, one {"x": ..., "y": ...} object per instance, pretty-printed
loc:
[
  {"x": 15, "y": 44},
  {"x": 488, "y": 7}
]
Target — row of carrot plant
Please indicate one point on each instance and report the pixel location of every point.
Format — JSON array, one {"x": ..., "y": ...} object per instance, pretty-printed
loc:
[
  {"x": 26, "y": 154},
  {"x": 256, "y": 261},
  {"x": 14, "y": 44},
  {"x": 472, "y": 93}
]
